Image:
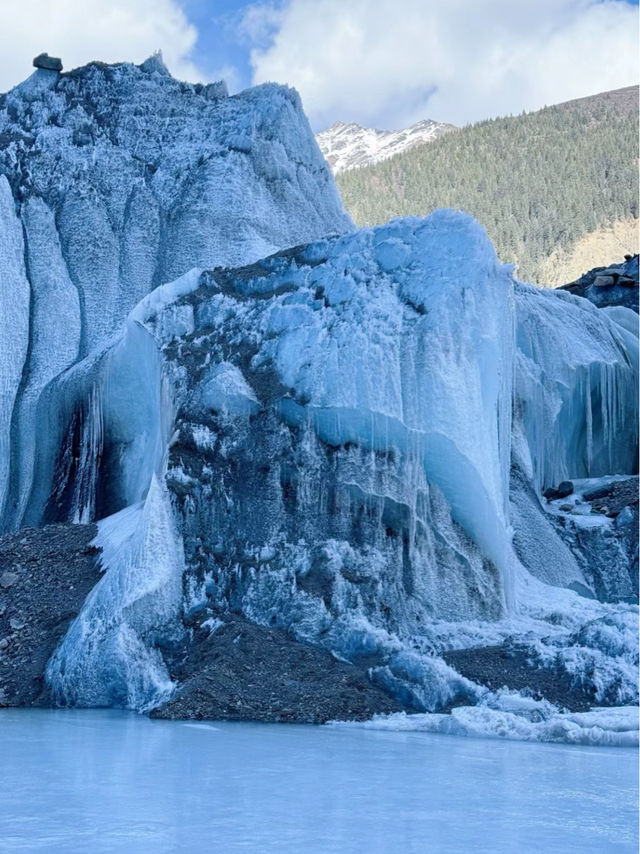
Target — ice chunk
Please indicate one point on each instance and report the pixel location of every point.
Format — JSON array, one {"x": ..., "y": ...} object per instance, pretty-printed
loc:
[{"x": 109, "y": 656}]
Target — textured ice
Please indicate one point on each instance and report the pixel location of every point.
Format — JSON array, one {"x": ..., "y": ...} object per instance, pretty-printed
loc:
[
  {"x": 338, "y": 448},
  {"x": 348, "y": 439},
  {"x": 121, "y": 179},
  {"x": 576, "y": 367},
  {"x": 601, "y": 727},
  {"x": 108, "y": 656}
]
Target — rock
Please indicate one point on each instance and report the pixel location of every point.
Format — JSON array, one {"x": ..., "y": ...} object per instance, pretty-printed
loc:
[
  {"x": 565, "y": 488},
  {"x": 16, "y": 624},
  {"x": 612, "y": 498},
  {"x": 561, "y": 491},
  {"x": 50, "y": 63},
  {"x": 4, "y": 643},
  {"x": 614, "y": 285},
  {"x": 566, "y": 508},
  {"x": 8, "y": 579}
]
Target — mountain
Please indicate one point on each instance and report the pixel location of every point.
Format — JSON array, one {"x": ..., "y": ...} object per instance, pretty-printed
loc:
[
  {"x": 349, "y": 146},
  {"x": 546, "y": 185},
  {"x": 343, "y": 478}
]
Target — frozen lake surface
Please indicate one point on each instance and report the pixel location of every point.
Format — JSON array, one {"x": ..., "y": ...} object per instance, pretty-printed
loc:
[{"x": 106, "y": 781}]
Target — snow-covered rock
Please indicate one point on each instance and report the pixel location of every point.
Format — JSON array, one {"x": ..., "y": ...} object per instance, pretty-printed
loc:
[
  {"x": 115, "y": 179},
  {"x": 347, "y": 146}
]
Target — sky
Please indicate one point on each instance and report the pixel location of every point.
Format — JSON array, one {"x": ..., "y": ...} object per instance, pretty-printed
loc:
[{"x": 381, "y": 63}]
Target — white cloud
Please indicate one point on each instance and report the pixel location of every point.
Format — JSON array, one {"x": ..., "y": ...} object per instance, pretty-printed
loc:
[
  {"x": 82, "y": 30},
  {"x": 377, "y": 61}
]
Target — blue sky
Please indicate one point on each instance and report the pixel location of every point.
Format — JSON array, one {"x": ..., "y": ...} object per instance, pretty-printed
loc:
[
  {"x": 382, "y": 63},
  {"x": 222, "y": 45}
]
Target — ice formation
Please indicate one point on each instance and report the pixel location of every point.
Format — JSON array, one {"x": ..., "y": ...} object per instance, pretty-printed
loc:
[
  {"x": 110, "y": 655},
  {"x": 341, "y": 459},
  {"x": 348, "y": 439},
  {"x": 115, "y": 179},
  {"x": 574, "y": 372}
]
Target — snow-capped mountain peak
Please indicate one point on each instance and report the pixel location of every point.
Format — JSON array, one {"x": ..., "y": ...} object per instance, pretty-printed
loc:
[{"x": 348, "y": 146}]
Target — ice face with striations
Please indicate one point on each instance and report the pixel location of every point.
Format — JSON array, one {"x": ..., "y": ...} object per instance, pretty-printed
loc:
[
  {"x": 340, "y": 459},
  {"x": 576, "y": 370},
  {"x": 115, "y": 179}
]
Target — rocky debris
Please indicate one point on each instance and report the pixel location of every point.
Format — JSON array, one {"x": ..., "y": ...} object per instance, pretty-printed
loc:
[
  {"x": 237, "y": 670},
  {"x": 609, "y": 286},
  {"x": 614, "y": 497},
  {"x": 45, "y": 576},
  {"x": 562, "y": 491},
  {"x": 606, "y": 547},
  {"x": 509, "y": 666},
  {"x": 50, "y": 63}
]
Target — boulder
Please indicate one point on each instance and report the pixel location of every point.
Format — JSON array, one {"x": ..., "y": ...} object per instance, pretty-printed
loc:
[
  {"x": 50, "y": 63},
  {"x": 561, "y": 491},
  {"x": 565, "y": 488},
  {"x": 603, "y": 281}
]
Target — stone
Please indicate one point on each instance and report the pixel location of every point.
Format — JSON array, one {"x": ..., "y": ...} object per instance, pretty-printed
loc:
[
  {"x": 8, "y": 579},
  {"x": 603, "y": 281},
  {"x": 50, "y": 63},
  {"x": 16, "y": 624},
  {"x": 565, "y": 488},
  {"x": 627, "y": 282}
]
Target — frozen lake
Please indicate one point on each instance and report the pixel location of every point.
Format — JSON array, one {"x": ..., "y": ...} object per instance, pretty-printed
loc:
[{"x": 105, "y": 781}]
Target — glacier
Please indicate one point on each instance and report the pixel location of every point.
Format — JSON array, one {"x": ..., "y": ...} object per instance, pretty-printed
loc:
[
  {"x": 346, "y": 435},
  {"x": 115, "y": 179}
]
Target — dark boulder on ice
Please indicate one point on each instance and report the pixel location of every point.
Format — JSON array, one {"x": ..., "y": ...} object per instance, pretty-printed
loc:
[
  {"x": 50, "y": 63},
  {"x": 561, "y": 491},
  {"x": 45, "y": 576}
]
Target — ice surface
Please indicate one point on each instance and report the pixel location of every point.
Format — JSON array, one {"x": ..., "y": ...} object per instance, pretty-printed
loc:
[
  {"x": 117, "y": 782},
  {"x": 329, "y": 432},
  {"x": 340, "y": 419}
]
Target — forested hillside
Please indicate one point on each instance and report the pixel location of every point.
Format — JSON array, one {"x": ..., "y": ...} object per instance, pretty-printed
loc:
[{"x": 538, "y": 182}]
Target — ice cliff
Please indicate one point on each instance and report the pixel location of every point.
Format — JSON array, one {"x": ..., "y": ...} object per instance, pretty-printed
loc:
[
  {"x": 352, "y": 440},
  {"x": 115, "y": 179}
]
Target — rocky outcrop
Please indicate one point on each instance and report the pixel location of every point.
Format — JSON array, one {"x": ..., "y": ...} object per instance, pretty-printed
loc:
[
  {"x": 616, "y": 285},
  {"x": 50, "y": 63},
  {"x": 45, "y": 576}
]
